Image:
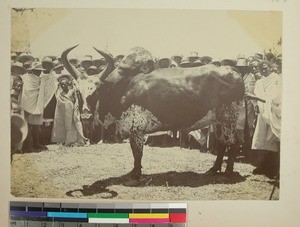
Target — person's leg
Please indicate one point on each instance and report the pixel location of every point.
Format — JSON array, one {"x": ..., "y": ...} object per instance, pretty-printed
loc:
[{"x": 37, "y": 136}]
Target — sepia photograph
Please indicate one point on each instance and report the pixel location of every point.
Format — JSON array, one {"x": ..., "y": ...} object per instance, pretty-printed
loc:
[{"x": 145, "y": 104}]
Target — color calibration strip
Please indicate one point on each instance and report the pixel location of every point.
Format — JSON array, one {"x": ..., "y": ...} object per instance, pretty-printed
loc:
[{"x": 121, "y": 213}]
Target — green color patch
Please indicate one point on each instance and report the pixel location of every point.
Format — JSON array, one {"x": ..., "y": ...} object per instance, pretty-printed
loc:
[{"x": 107, "y": 215}]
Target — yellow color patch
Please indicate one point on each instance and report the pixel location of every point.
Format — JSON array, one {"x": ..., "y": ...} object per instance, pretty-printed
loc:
[{"x": 149, "y": 215}]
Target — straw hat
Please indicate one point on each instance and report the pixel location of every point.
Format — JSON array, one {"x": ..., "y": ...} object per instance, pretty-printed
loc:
[
  {"x": 24, "y": 57},
  {"x": 65, "y": 76},
  {"x": 205, "y": 59},
  {"x": 177, "y": 58},
  {"x": 185, "y": 62},
  {"x": 86, "y": 62},
  {"x": 36, "y": 66},
  {"x": 74, "y": 61},
  {"x": 241, "y": 62},
  {"x": 13, "y": 56},
  {"x": 57, "y": 65},
  {"x": 47, "y": 63},
  {"x": 164, "y": 63},
  {"x": 196, "y": 63},
  {"x": 193, "y": 56},
  {"x": 99, "y": 62},
  {"x": 93, "y": 70},
  {"x": 216, "y": 62}
]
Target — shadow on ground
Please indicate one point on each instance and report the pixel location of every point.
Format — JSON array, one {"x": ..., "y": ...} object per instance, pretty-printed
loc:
[{"x": 185, "y": 179}]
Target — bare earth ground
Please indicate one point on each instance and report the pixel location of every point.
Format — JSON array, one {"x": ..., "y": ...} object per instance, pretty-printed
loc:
[{"x": 97, "y": 171}]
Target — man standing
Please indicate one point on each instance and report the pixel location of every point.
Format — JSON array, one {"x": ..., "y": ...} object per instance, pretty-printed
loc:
[
  {"x": 245, "y": 129},
  {"x": 67, "y": 127},
  {"x": 51, "y": 85},
  {"x": 266, "y": 137},
  {"x": 32, "y": 102}
]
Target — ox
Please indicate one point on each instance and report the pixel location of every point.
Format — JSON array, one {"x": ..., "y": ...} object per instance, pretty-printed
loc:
[{"x": 142, "y": 100}]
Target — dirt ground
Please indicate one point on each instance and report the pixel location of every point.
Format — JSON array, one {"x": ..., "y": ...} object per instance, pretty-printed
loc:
[{"x": 98, "y": 171}]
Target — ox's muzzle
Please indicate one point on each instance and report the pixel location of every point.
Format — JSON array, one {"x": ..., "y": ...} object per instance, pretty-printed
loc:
[{"x": 86, "y": 113}]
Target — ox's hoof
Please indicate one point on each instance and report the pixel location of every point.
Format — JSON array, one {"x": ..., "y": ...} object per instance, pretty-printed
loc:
[
  {"x": 212, "y": 171},
  {"x": 132, "y": 183}
]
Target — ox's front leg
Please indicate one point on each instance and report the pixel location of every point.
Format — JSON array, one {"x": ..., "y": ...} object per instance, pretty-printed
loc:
[
  {"x": 136, "y": 143},
  {"x": 232, "y": 153},
  {"x": 221, "y": 148}
]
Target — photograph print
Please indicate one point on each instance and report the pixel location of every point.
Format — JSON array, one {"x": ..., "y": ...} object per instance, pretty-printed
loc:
[{"x": 145, "y": 104}]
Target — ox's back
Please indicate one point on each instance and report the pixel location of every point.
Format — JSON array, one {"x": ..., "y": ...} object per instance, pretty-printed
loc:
[{"x": 179, "y": 97}]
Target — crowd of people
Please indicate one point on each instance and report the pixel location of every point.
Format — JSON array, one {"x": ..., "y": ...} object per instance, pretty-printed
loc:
[{"x": 46, "y": 97}]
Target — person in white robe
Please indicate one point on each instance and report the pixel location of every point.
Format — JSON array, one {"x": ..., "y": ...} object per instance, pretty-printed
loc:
[{"x": 266, "y": 137}]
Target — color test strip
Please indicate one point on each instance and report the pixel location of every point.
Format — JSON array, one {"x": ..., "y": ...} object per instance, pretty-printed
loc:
[
  {"x": 152, "y": 215},
  {"x": 178, "y": 218},
  {"x": 149, "y": 220},
  {"x": 123, "y": 213},
  {"x": 108, "y": 215},
  {"x": 67, "y": 215},
  {"x": 109, "y": 220},
  {"x": 28, "y": 213}
]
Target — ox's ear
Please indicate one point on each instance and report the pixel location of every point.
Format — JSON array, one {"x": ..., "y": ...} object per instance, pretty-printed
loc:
[{"x": 147, "y": 67}]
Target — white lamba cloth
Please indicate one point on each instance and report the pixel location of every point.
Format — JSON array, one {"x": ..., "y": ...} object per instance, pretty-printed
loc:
[
  {"x": 268, "y": 128},
  {"x": 32, "y": 100}
]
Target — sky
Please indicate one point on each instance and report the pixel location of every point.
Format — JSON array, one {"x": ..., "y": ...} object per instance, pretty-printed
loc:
[{"x": 219, "y": 34}]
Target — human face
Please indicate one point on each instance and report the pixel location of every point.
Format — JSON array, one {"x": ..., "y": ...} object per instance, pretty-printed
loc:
[
  {"x": 254, "y": 67},
  {"x": 275, "y": 68},
  {"x": 36, "y": 72},
  {"x": 64, "y": 84},
  {"x": 264, "y": 70},
  {"x": 17, "y": 86}
]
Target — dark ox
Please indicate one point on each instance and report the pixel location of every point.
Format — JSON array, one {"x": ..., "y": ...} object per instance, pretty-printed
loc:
[{"x": 141, "y": 100}]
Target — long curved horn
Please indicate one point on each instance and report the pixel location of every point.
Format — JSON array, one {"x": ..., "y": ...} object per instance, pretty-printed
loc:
[
  {"x": 69, "y": 67},
  {"x": 109, "y": 66}
]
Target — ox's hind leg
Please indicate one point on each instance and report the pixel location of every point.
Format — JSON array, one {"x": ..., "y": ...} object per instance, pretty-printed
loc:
[
  {"x": 136, "y": 144},
  {"x": 234, "y": 148},
  {"x": 218, "y": 163}
]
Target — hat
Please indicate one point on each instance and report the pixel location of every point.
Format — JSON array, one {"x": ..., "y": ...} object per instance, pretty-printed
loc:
[
  {"x": 13, "y": 56},
  {"x": 36, "y": 66},
  {"x": 196, "y": 63},
  {"x": 254, "y": 60},
  {"x": 53, "y": 58},
  {"x": 27, "y": 64},
  {"x": 164, "y": 63},
  {"x": 176, "y": 58},
  {"x": 258, "y": 56},
  {"x": 65, "y": 76},
  {"x": 241, "y": 62},
  {"x": 99, "y": 62},
  {"x": 17, "y": 69},
  {"x": 205, "y": 59},
  {"x": 185, "y": 62},
  {"x": 47, "y": 63},
  {"x": 264, "y": 62},
  {"x": 86, "y": 62},
  {"x": 92, "y": 70},
  {"x": 228, "y": 62},
  {"x": 74, "y": 61},
  {"x": 193, "y": 56},
  {"x": 24, "y": 57},
  {"x": 57, "y": 65},
  {"x": 216, "y": 61},
  {"x": 58, "y": 58}
]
